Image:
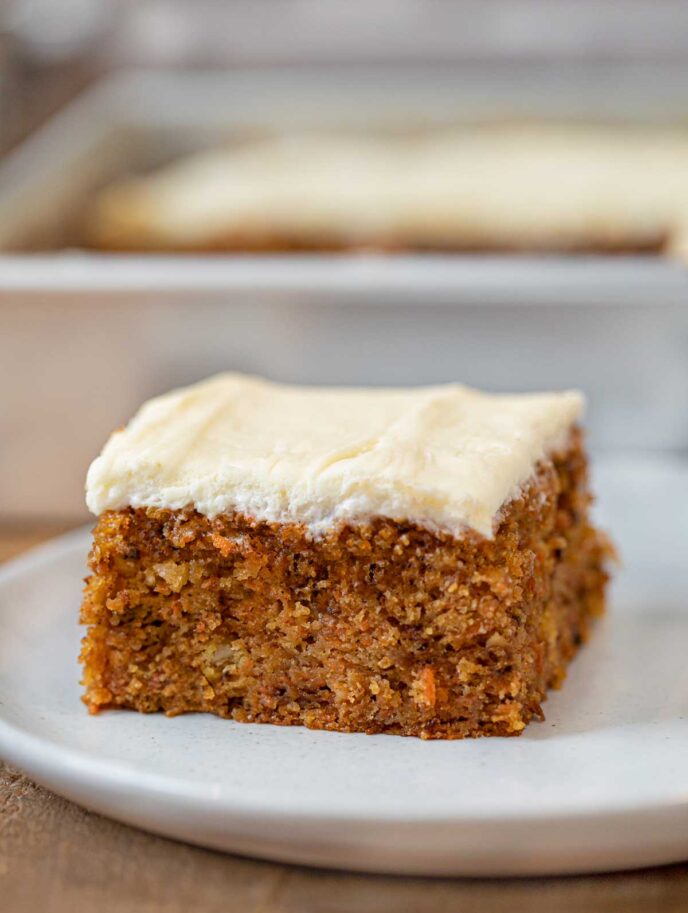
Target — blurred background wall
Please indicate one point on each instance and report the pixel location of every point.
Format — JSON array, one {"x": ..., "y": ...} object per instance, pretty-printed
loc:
[{"x": 49, "y": 49}]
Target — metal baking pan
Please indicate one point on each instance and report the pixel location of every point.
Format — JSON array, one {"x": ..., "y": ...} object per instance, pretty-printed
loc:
[{"x": 85, "y": 336}]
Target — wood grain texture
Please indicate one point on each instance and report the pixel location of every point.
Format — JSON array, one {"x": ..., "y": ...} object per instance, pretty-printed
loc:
[{"x": 57, "y": 858}]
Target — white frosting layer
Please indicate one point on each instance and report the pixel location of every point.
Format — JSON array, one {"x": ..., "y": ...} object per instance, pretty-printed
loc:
[
  {"x": 445, "y": 457},
  {"x": 539, "y": 185}
]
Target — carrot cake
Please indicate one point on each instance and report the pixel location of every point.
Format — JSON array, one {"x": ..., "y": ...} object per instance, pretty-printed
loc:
[
  {"x": 414, "y": 561},
  {"x": 510, "y": 187}
]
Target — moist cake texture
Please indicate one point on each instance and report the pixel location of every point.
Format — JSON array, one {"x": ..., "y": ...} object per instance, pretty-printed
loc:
[
  {"x": 501, "y": 187},
  {"x": 417, "y": 561}
]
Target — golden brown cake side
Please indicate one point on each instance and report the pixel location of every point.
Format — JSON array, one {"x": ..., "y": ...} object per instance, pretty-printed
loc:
[
  {"x": 236, "y": 243},
  {"x": 386, "y": 627}
]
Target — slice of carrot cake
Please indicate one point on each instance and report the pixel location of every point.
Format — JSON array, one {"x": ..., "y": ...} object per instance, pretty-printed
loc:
[
  {"x": 497, "y": 187},
  {"x": 414, "y": 561}
]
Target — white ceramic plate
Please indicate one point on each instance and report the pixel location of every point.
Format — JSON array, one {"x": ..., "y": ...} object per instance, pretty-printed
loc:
[{"x": 603, "y": 783}]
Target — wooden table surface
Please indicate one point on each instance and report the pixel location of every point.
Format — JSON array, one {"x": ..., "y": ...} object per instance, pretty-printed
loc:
[{"x": 55, "y": 857}]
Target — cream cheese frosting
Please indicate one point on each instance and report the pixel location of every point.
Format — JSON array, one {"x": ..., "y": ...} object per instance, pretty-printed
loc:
[
  {"x": 520, "y": 185},
  {"x": 445, "y": 457}
]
